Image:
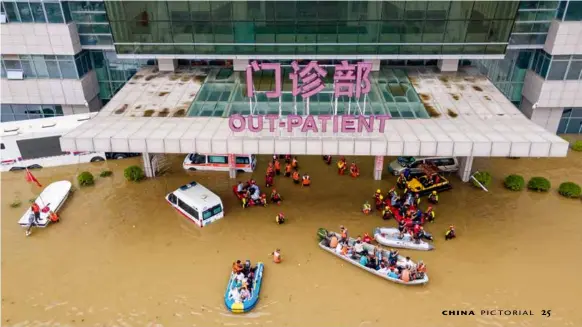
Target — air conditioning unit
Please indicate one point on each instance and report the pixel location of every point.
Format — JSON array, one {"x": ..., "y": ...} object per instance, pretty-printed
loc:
[
  {"x": 3, "y": 19},
  {"x": 14, "y": 74}
]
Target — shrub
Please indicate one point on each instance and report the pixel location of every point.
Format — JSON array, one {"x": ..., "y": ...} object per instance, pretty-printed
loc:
[
  {"x": 570, "y": 190},
  {"x": 86, "y": 179},
  {"x": 15, "y": 204},
  {"x": 106, "y": 173},
  {"x": 514, "y": 182},
  {"x": 483, "y": 177},
  {"x": 133, "y": 173},
  {"x": 577, "y": 146},
  {"x": 539, "y": 184}
]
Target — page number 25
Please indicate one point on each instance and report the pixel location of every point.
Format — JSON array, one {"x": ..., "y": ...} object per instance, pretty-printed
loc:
[{"x": 546, "y": 313}]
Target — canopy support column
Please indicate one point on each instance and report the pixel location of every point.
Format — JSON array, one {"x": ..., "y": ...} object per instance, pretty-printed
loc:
[
  {"x": 378, "y": 167},
  {"x": 148, "y": 167}
]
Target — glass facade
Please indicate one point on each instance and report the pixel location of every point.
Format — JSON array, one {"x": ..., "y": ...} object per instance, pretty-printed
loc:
[
  {"x": 92, "y": 23},
  {"x": 12, "y": 112},
  {"x": 34, "y": 12},
  {"x": 48, "y": 66},
  {"x": 557, "y": 68},
  {"x": 532, "y": 23},
  {"x": 311, "y": 27},
  {"x": 570, "y": 10},
  {"x": 571, "y": 121}
]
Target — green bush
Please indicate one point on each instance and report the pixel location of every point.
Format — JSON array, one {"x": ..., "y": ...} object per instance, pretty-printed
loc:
[
  {"x": 483, "y": 177},
  {"x": 133, "y": 173},
  {"x": 577, "y": 146},
  {"x": 106, "y": 173},
  {"x": 539, "y": 184},
  {"x": 514, "y": 182},
  {"x": 570, "y": 190},
  {"x": 15, "y": 204},
  {"x": 86, "y": 179}
]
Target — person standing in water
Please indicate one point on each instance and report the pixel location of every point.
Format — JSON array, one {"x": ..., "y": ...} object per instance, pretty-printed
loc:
[{"x": 277, "y": 256}]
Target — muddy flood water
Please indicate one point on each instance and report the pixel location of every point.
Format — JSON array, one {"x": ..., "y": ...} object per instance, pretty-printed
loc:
[{"x": 121, "y": 256}]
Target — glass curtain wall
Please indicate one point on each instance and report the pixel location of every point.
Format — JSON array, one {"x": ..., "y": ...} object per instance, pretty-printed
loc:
[
  {"x": 35, "y": 12},
  {"x": 570, "y": 10},
  {"x": 557, "y": 68},
  {"x": 92, "y": 22},
  {"x": 532, "y": 23},
  {"x": 48, "y": 66},
  {"x": 571, "y": 121},
  {"x": 12, "y": 112},
  {"x": 311, "y": 27}
]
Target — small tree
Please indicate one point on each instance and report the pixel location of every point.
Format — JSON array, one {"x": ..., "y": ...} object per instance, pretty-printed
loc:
[
  {"x": 577, "y": 146},
  {"x": 483, "y": 177},
  {"x": 133, "y": 173},
  {"x": 86, "y": 179},
  {"x": 570, "y": 190},
  {"x": 514, "y": 182},
  {"x": 539, "y": 184}
]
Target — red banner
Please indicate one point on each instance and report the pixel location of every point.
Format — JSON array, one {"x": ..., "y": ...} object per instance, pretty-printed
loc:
[{"x": 31, "y": 179}]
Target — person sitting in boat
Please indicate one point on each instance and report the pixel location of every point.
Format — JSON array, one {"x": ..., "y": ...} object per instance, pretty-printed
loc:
[
  {"x": 341, "y": 166},
  {"x": 383, "y": 269},
  {"x": 393, "y": 257},
  {"x": 288, "y": 170},
  {"x": 240, "y": 188},
  {"x": 354, "y": 170},
  {"x": 405, "y": 275},
  {"x": 367, "y": 238},
  {"x": 295, "y": 163},
  {"x": 450, "y": 234},
  {"x": 417, "y": 200},
  {"x": 235, "y": 294},
  {"x": 409, "y": 199},
  {"x": 433, "y": 197},
  {"x": 280, "y": 218},
  {"x": 277, "y": 167},
  {"x": 359, "y": 247},
  {"x": 395, "y": 200},
  {"x": 296, "y": 177},
  {"x": 344, "y": 234},
  {"x": 237, "y": 267},
  {"x": 366, "y": 208},
  {"x": 244, "y": 294},
  {"x": 364, "y": 260},
  {"x": 401, "y": 181},
  {"x": 327, "y": 160},
  {"x": 371, "y": 261},
  {"x": 417, "y": 216},
  {"x": 277, "y": 256},
  {"x": 276, "y": 197},
  {"x": 247, "y": 267},
  {"x": 420, "y": 270},
  {"x": 333, "y": 240},
  {"x": 393, "y": 273},
  {"x": 338, "y": 248},
  {"x": 387, "y": 213},
  {"x": 430, "y": 214},
  {"x": 306, "y": 180},
  {"x": 345, "y": 249},
  {"x": 269, "y": 181}
]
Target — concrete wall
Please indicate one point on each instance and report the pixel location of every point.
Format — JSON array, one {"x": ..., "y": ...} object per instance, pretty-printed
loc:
[
  {"x": 552, "y": 94},
  {"x": 45, "y": 39},
  {"x": 548, "y": 118},
  {"x": 448, "y": 65},
  {"x": 564, "y": 38},
  {"x": 51, "y": 91}
]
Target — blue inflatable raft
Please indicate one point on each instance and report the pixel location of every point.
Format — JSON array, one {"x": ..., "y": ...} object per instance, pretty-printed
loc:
[{"x": 248, "y": 304}]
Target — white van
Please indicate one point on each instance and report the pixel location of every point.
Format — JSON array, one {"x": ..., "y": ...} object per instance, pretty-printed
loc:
[
  {"x": 220, "y": 162},
  {"x": 444, "y": 164},
  {"x": 197, "y": 203}
]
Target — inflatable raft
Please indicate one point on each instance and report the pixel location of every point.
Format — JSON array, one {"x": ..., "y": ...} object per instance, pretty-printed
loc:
[
  {"x": 248, "y": 304},
  {"x": 389, "y": 237},
  {"x": 371, "y": 248},
  {"x": 50, "y": 199}
]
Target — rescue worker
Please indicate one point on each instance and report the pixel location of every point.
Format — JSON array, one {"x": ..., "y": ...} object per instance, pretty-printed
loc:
[
  {"x": 391, "y": 192},
  {"x": 277, "y": 256},
  {"x": 367, "y": 238},
  {"x": 276, "y": 197},
  {"x": 294, "y": 163},
  {"x": 450, "y": 234},
  {"x": 288, "y": 170},
  {"x": 269, "y": 181},
  {"x": 420, "y": 270},
  {"x": 366, "y": 208},
  {"x": 296, "y": 177},
  {"x": 54, "y": 217},
  {"x": 433, "y": 197},
  {"x": 377, "y": 194},
  {"x": 401, "y": 181},
  {"x": 379, "y": 202},
  {"x": 417, "y": 216},
  {"x": 430, "y": 215},
  {"x": 264, "y": 200},
  {"x": 341, "y": 166},
  {"x": 354, "y": 170},
  {"x": 344, "y": 234},
  {"x": 36, "y": 211},
  {"x": 277, "y": 167},
  {"x": 387, "y": 213},
  {"x": 306, "y": 180},
  {"x": 270, "y": 170},
  {"x": 417, "y": 200},
  {"x": 327, "y": 160},
  {"x": 237, "y": 267},
  {"x": 280, "y": 218}
]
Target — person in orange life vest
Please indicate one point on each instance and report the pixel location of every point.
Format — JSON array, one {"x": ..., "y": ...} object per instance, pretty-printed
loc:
[
  {"x": 237, "y": 267},
  {"x": 288, "y": 170},
  {"x": 294, "y": 163},
  {"x": 287, "y": 158},
  {"x": 36, "y": 211},
  {"x": 53, "y": 217},
  {"x": 280, "y": 218},
  {"x": 327, "y": 159},
  {"x": 450, "y": 234},
  {"x": 354, "y": 170},
  {"x": 367, "y": 238},
  {"x": 276, "y": 197},
  {"x": 277, "y": 167},
  {"x": 270, "y": 170},
  {"x": 341, "y": 166},
  {"x": 430, "y": 215},
  {"x": 277, "y": 256},
  {"x": 269, "y": 180},
  {"x": 306, "y": 180},
  {"x": 263, "y": 199},
  {"x": 296, "y": 177},
  {"x": 344, "y": 234}
]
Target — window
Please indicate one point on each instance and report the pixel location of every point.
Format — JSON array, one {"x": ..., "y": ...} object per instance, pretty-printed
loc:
[
  {"x": 199, "y": 159},
  {"x": 40, "y": 147},
  {"x": 37, "y": 12},
  {"x": 218, "y": 159},
  {"x": 25, "y": 12},
  {"x": 212, "y": 212},
  {"x": 2, "y": 147},
  {"x": 172, "y": 198},
  {"x": 53, "y": 12},
  {"x": 242, "y": 160},
  {"x": 11, "y": 12},
  {"x": 188, "y": 209}
]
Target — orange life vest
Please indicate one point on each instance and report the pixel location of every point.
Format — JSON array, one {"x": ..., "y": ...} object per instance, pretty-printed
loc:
[
  {"x": 277, "y": 165},
  {"x": 296, "y": 176},
  {"x": 294, "y": 163},
  {"x": 288, "y": 168},
  {"x": 306, "y": 180},
  {"x": 53, "y": 217},
  {"x": 276, "y": 257}
]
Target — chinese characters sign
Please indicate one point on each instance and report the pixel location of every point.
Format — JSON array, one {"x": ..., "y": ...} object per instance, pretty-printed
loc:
[
  {"x": 349, "y": 80},
  {"x": 316, "y": 124}
]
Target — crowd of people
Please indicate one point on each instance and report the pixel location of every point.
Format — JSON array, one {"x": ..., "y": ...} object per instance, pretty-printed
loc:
[
  {"x": 244, "y": 277},
  {"x": 388, "y": 265}
]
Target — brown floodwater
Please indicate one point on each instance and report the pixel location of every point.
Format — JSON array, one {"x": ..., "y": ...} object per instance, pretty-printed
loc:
[{"x": 121, "y": 256}]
